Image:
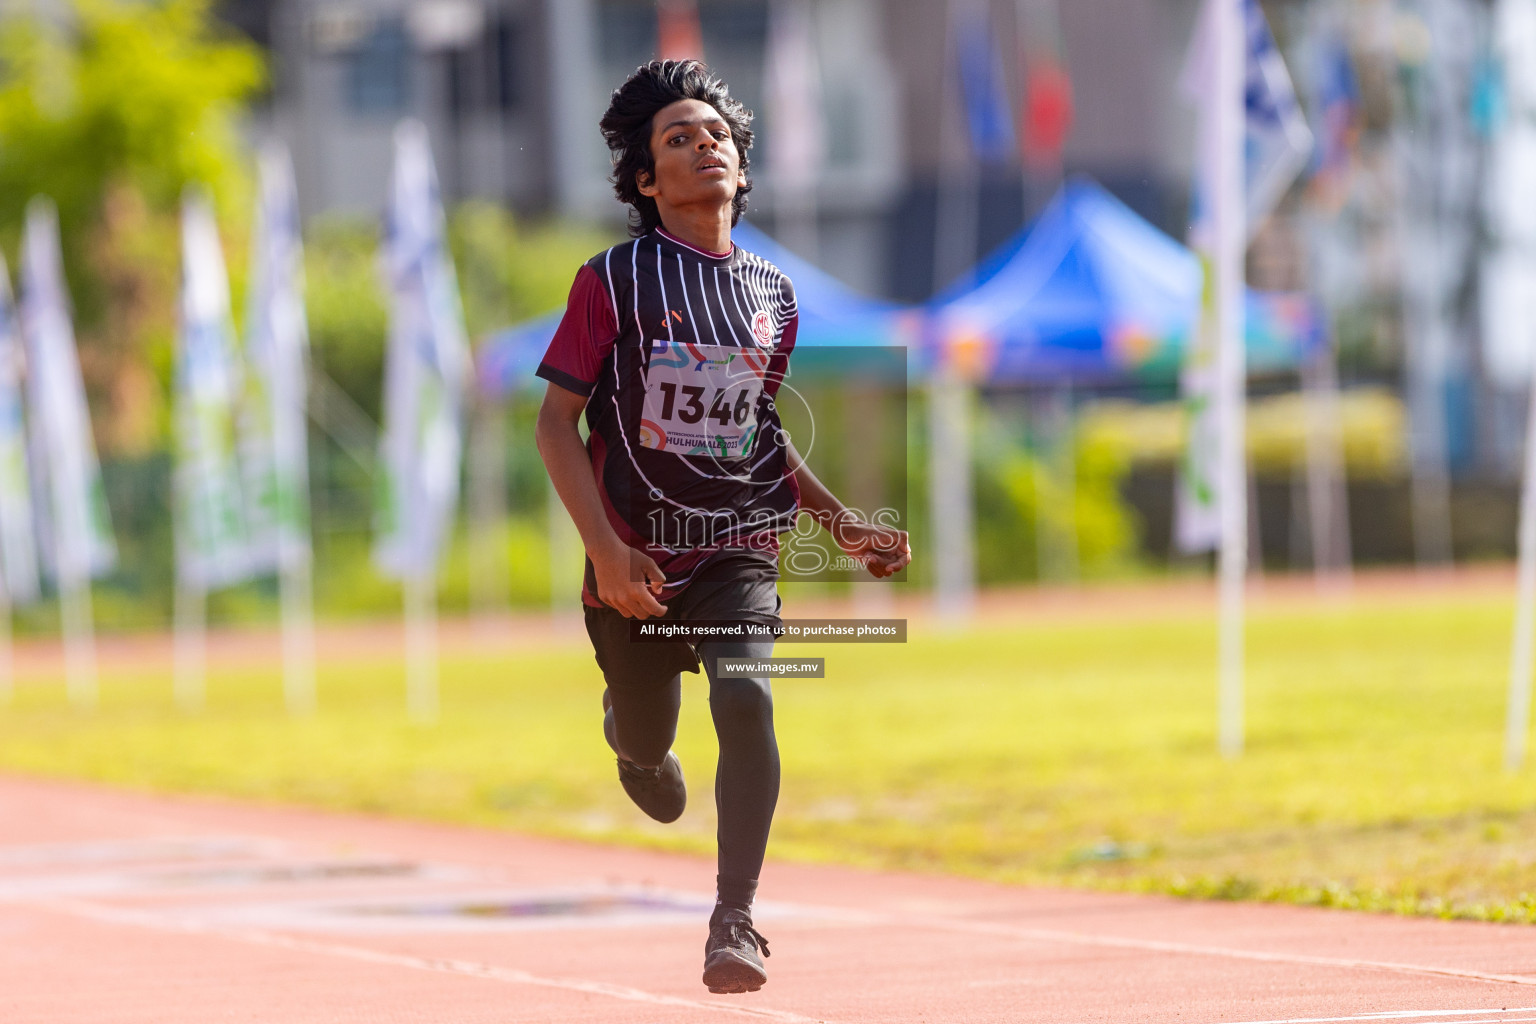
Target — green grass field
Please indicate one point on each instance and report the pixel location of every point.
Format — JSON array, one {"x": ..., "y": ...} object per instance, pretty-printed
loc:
[{"x": 1056, "y": 748}]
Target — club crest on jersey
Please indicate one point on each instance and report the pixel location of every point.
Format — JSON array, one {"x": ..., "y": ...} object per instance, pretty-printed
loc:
[{"x": 762, "y": 328}]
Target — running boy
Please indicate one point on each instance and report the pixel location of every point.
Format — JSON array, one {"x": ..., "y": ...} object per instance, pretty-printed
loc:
[{"x": 674, "y": 346}]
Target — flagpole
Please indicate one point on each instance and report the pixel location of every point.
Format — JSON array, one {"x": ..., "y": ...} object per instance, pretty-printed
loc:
[
  {"x": 1037, "y": 27},
  {"x": 277, "y": 344},
  {"x": 427, "y": 375},
  {"x": 793, "y": 87},
  {"x": 213, "y": 546},
  {"x": 296, "y": 592},
  {"x": 1518, "y": 720},
  {"x": 7, "y": 649},
  {"x": 74, "y": 509},
  {"x": 1510, "y": 170},
  {"x": 955, "y": 206},
  {"x": 421, "y": 646},
  {"x": 190, "y": 648},
  {"x": 1436, "y": 246},
  {"x": 79, "y": 647},
  {"x": 18, "y": 581},
  {"x": 1227, "y": 264},
  {"x": 76, "y": 623}
]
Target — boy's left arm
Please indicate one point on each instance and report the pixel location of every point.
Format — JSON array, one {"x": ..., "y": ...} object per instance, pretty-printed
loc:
[{"x": 884, "y": 550}]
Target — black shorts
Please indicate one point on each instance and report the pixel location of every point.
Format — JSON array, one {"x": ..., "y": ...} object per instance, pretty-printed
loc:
[{"x": 626, "y": 662}]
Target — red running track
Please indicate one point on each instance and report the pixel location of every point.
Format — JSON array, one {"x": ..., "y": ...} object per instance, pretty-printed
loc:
[{"x": 118, "y": 907}]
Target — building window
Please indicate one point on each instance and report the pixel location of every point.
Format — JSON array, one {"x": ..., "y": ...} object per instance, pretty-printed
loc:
[
  {"x": 510, "y": 59},
  {"x": 737, "y": 26},
  {"x": 486, "y": 77},
  {"x": 378, "y": 77},
  {"x": 626, "y": 33}
]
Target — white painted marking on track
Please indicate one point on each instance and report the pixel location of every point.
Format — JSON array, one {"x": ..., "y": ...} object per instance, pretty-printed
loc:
[
  {"x": 459, "y": 911},
  {"x": 1399, "y": 1015},
  {"x": 462, "y": 968},
  {"x": 58, "y": 855},
  {"x": 1159, "y": 946},
  {"x": 243, "y": 876},
  {"x": 53, "y": 856}
]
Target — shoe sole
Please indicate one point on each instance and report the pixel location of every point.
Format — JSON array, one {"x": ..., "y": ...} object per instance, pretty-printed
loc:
[{"x": 730, "y": 976}]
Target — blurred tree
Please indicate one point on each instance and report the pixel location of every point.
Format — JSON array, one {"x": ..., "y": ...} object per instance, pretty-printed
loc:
[
  {"x": 111, "y": 107},
  {"x": 508, "y": 272},
  {"x": 1010, "y": 502},
  {"x": 348, "y": 309}
]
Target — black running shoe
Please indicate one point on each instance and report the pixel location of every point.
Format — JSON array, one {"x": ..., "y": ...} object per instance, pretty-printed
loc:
[
  {"x": 658, "y": 791},
  {"x": 731, "y": 963}
]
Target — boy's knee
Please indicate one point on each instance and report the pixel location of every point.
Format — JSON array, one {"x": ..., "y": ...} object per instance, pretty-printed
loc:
[
  {"x": 742, "y": 700},
  {"x": 641, "y": 731},
  {"x": 646, "y": 747},
  {"x": 644, "y": 751}
]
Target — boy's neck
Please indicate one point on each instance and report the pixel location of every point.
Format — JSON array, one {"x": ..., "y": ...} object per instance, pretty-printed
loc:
[{"x": 709, "y": 232}]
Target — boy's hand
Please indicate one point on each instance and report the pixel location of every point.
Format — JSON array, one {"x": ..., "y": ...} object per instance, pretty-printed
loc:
[
  {"x": 884, "y": 550},
  {"x": 627, "y": 581}
]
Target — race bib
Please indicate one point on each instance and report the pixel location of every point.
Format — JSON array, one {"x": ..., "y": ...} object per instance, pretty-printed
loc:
[{"x": 702, "y": 399}]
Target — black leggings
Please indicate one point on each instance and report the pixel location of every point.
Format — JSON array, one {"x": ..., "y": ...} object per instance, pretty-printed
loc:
[{"x": 747, "y": 774}]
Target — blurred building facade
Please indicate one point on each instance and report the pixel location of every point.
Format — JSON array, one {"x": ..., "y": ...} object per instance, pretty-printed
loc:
[{"x": 511, "y": 91}]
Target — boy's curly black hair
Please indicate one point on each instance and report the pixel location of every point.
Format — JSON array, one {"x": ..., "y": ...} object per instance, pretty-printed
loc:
[{"x": 626, "y": 127}]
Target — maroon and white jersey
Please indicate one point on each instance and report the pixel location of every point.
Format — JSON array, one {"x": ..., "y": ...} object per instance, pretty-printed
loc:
[{"x": 680, "y": 354}]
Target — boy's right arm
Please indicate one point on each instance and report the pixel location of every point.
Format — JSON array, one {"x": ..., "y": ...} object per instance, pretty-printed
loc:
[{"x": 626, "y": 578}]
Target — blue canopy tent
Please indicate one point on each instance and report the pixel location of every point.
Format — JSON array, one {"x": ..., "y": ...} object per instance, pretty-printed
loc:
[
  {"x": 831, "y": 313},
  {"x": 1091, "y": 292},
  {"x": 506, "y": 361},
  {"x": 835, "y": 323},
  {"x": 842, "y": 334}
]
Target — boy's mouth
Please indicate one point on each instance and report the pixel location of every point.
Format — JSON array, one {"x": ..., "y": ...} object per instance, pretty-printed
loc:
[{"x": 712, "y": 164}]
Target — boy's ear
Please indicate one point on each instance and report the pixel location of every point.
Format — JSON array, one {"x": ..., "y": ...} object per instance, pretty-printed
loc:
[{"x": 645, "y": 183}]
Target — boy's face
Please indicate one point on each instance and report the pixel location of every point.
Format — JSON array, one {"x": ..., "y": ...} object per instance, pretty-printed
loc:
[{"x": 696, "y": 159}]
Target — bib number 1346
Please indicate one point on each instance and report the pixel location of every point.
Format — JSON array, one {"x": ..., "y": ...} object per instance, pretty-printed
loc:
[
  {"x": 721, "y": 408},
  {"x": 702, "y": 400}
]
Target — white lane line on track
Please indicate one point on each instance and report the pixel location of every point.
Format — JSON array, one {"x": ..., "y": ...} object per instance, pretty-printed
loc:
[
  {"x": 1159, "y": 946},
  {"x": 462, "y": 968},
  {"x": 849, "y": 916},
  {"x": 1401, "y": 1015}
]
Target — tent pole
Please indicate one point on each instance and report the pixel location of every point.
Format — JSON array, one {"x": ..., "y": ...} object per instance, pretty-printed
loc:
[
  {"x": 490, "y": 588},
  {"x": 950, "y": 495},
  {"x": 1327, "y": 498},
  {"x": 1056, "y": 537}
]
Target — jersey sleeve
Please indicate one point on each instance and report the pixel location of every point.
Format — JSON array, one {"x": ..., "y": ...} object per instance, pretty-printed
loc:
[{"x": 584, "y": 338}]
